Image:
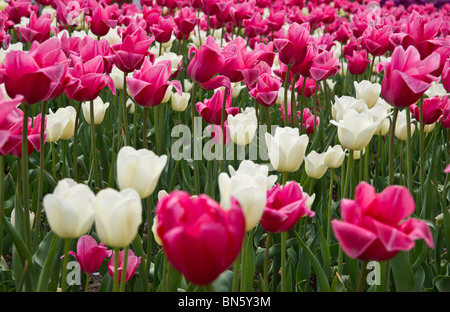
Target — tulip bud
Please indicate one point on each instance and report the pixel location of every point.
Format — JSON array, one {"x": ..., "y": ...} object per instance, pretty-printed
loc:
[
  {"x": 90, "y": 255},
  {"x": 286, "y": 148},
  {"x": 315, "y": 166},
  {"x": 118, "y": 217},
  {"x": 243, "y": 126},
  {"x": 70, "y": 209},
  {"x": 344, "y": 103},
  {"x": 13, "y": 218},
  {"x": 99, "y": 110},
  {"x": 334, "y": 156},
  {"x": 367, "y": 91},
  {"x": 139, "y": 169},
  {"x": 67, "y": 116},
  {"x": 401, "y": 126},
  {"x": 180, "y": 102},
  {"x": 54, "y": 128},
  {"x": 117, "y": 76}
]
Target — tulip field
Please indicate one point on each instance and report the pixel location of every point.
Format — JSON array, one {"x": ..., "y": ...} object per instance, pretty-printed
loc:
[{"x": 194, "y": 146}]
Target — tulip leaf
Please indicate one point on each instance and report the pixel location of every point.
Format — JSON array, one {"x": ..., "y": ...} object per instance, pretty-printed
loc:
[
  {"x": 51, "y": 251},
  {"x": 442, "y": 283},
  {"x": 403, "y": 273},
  {"x": 337, "y": 285},
  {"x": 224, "y": 282},
  {"x": 322, "y": 281},
  {"x": 419, "y": 278}
]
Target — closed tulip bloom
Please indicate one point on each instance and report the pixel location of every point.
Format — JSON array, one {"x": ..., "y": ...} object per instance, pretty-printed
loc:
[
  {"x": 286, "y": 204},
  {"x": 67, "y": 116},
  {"x": 200, "y": 238},
  {"x": 133, "y": 263},
  {"x": 376, "y": 40},
  {"x": 266, "y": 90},
  {"x": 70, "y": 209},
  {"x": 13, "y": 218},
  {"x": 286, "y": 148},
  {"x": 406, "y": 76},
  {"x": 381, "y": 111},
  {"x": 139, "y": 169},
  {"x": 324, "y": 65},
  {"x": 432, "y": 109},
  {"x": 101, "y": 22},
  {"x": 38, "y": 28},
  {"x": 162, "y": 30},
  {"x": 117, "y": 76},
  {"x": 243, "y": 126},
  {"x": 54, "y": 128},
  {"x": 293, "y": 48},
  {"x": 446, "y": 76},
  {"x": 401, "y": 126},
  {"x": 355, "y": 130},
  {"x": 180, "y": 102},
  {"x": 211, "y": 109},
  {"x": 315, "y": 166},
  {"x": 357, "y": 63},
  {"x": 334, "y": 156},
  {"x": 378, "y": 226},
  {"x": 90, "y": 254},
  {"x": 118, "y": 216},
  {"x": 367, "y": 91},
  {"x": 99, "y": 110}
]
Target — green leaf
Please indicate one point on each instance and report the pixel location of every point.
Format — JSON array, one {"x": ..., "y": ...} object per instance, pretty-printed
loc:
[
  {"x": 224, "y": 282},
  {"x": 337, "y": 285},
  {"x": 51, "y": 251},
  {"x": 322, "y": 281},
  {"x": 442, "y": 283},
  {"x": 403, "y": 273},
  {"x": 419, "y": 278}
]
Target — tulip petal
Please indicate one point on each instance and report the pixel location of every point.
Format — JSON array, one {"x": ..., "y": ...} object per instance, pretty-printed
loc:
[{"x": 354, "y": 240}]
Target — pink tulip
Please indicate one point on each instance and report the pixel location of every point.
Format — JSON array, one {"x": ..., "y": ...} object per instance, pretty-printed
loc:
[
  {"x": 309, "y": 121},
  {"x": 293, "y": 49},
  {"x": 376, "y": 40},
  {"x": 67, "y": 12},
  {"x": 148, "y": 85},
  {"x": 186, "y": 21},
  {"x": 93, "y": 48},
  {"x": 5, "y": 38},
  {"x": 378, "y": 226},
  {"x": 343, "y": 32},
  {"x": 432, "y": 109},
  {"x": 216, "y": 133},
  {"x": 133, "y": 49},
  {"x": 17, "y": 9},
  {"x": 211, "y": 110},
  {"x": 101, "y": 22},
  {"x": 407, "y": 77},
  {"x": 446, "y": 75},
  {"x": 162, "y": 31},
  {"x": 285, "y": 206},
  {"x": 255, "y": 26},
  {"x": 357, "y": 63},
  {"x": 266, "y": 90},
  {"x": 6, "y": 107},
  {"x": 133, "y": 263},
  {"x": 37, "y": 29},
  {"x": 447, "y": 169},
  {"x": 276, "y": 20},
  {"x": 88, "y": 79},
  {"x": 310, "y": 86},
  {"x": 324, "y": 65},
  {"x": 242, "y": 11},
  {"x": 36, "y": 74},
  {"x": 199, "y": 237},
  {"x": 207, "y": 62},
  {"x": 90, "y": 255},
  {"x": 445, "y": 118}
]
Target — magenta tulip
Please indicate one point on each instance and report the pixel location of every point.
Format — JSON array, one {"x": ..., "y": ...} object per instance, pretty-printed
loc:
[
  {"x": 101, "y": 22},
  {"x": 133, "y": 263},
  {"x": 432, "y": 109},
  {"x": 162, "y": 31},
  {"x": 357, "y": 63},
  {"x": 285, "y": 206},
  {"x": 446, "y": 75},
  {"x": 148, "y": 85},
  {"x": 293, "y": 49},
  {"x": 186, "y": 21},
  {"x": 378, "y": 226},
  {"x": 376, "y": 40},
  {"x": 266, "y": 90},
  {"x": 211, "y": 110},
  {"x": 199, "y": 237},
  {"x": 324, "y": 65},
  {"x": 38, "y": 28},
  {"x": 406, "y": 76},
  {"x": 6, "y": 120},
  {"x": 90, "y": 254}
]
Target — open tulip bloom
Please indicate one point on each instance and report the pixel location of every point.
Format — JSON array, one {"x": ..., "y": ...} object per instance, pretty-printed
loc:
[{"x": 224, "y": 145}]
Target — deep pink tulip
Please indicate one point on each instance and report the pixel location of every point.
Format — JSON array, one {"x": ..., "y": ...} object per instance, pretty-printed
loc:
[
  {"x": 67, "y": 12},
  {"x": 447, "y": 169},
  {"x": 36, "y": 74},
  {"x": 6, "y": 107},
  {"x": 162, "y": 31},
  {"x": 211, "y": 110},
  {"x": 445, "y": 118},
  {"x": 310, "y": 86},
  {"x": 376, "y": 40},
  {"x": 242, "y": 11},
  {"x": 432, "y": 109},
  {"x": 133, "y": 49},
  {"x": 199, "y": 237},
  {"x": 133, "y": 263},
  {"x": 216, "y": 133},
  {"x": 101, "y": 22},
  {"x": 293, "y": 49},
  {"x": 186, "y": 21},
  {"x": 266, "y": 90},
  {"x": 378, "y": 226},
  {"x": 148, "y": 85},
  {"x": 94, "y": 48},
  {"x": 285, "y": 206},
  {"x": 276, "y": 20},
  {"x": 17, "y": 9},
  {"x": 309, "y": 121},
  {"x": 88, "y": 79},
  {"x": 38, "y": 29},
  {"x": 324, "y": 65},
  {"x": 207, "y": 62},
  {"x": 406, "y": 76},
  {"x": 343, "y": 33},
  {"x": 90, "y": 254},
  {"x": 255, "y": 26},
  {"x": 357, "y": 63},
  {"x": 223, "y": 11},
  {"x": 446, "y": 75},
  {"x": 5, "y": 38}
]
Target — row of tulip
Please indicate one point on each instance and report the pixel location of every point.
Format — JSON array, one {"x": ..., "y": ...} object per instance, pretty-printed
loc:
[{"x": 288, "y": 89}]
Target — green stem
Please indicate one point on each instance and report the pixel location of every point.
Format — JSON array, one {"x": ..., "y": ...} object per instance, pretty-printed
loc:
[
  {"x": 286, "y": 83},
  {"x": 409, "y": 152},
  {"x": 362, "y": 276},
  {"x": 157, "y": 132},
  {"x": 124, "y": 108},
  {"x": 345, "y": 193},
  {"x": 422, "y": 157},
  {"x": 235, "y": 286},
  {"x": 93, "y": 146},
  {"x": 144, "y": 128},
  {"x": 329, "y": 207},
  {"x": 149, "y": 232},
  {"x": 243, "y": 266},
  {"x": 86, "y": 286},
  {"x": 284, "y": 177},
  {"x": 123, "y": 278},
  {"x": 116, "y": 270},
  {"x": 222, "y": 126},
  {"x": 391, "y": 147},
  {"x": 75, "y": 144},
  {"x": 196, "y": 165},
  {"x": 25, "y": 185},
  {"x": 65, "y": 262},
  {"x": 283, "y": 261},
  {"x": 53, "y": 159},
  {"x": 293, "y": 102},
  {"x": 64, "y": 158},
  {"x": 266, "y": 261},
  {"x": 209, "y": 288}
]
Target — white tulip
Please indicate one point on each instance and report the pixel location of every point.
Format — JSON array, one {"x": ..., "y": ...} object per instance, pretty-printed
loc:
[
  {"x": 130, "y": 104},
  {"x": 117, "y": 76},
  {"x": 367, "y": 91},
  {"x": 334, "y": 156},
  {"x": 54, "y": 128},
  {"x": 286, "y": 148},
  {"x": 401, "y": 127},
  {"x": 381, "y": 111},
  {"x": 13, "y": 218},
  {"x": 315, "y": 166},
  {"x": 243, "y": 126},
  {"x": 237, "y": 87},
  {"x": 70, "y": 209},
  {"x": 355, "y": 130},
  {"x": 187, "y": 85},
  {"x": 180, "y": 102},
  {"x": 67, "y": 116},
  {"x": 118, "y": 216},
  {"x": 139, "y": 169},
  {"x": 436, "y": 89},
  {"x": 99, "y": 110},
  {"x": 261, "y": 172},
  {"x": 173, "y": 58},
  {"x": 344, "y": 103},
  {"x": 167, "y": 95}
]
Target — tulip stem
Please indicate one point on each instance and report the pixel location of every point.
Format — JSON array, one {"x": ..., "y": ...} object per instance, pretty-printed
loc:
[
  {"x": 209, "y": 288},
  {"x": 26, "y": 198},
  {"x": 362, "y": 276},
  {"x": 347, "y": 175},
  {"x": 243, "y": 266},
  {"x": 235, "y": 286},
  {"x": 53, "y": 159},
  {"x": 65, "y": 262},
  {"x": 408, "y": 151},
  {"x": 86, "y": 286},
  {"x": 64, "y": 158},
  {"x": 224, "y": 135},
  {"x": 283, "y": 261},
  {"x": 144, "y": 128},
  {"x": 123, "y": 278},
  {"x": 391, "y": 147},
  {"x": 330, "y": 200},
  {"x": 124, "y": 108},
  {"x": 422, "y": 158},
  {"x": 93, "y": 146},
  {"x": 196, "y": 168},
  {"x": 266, "y": 261},
  {"x": 75, "y": 144},
  {"x": 116, "y": 270},
  {"x": 293, "y": 102},
  {"x": 286, "y": 83},
  {"x": 284, "y": 177},
  {"x": 149, "y": 232}
]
